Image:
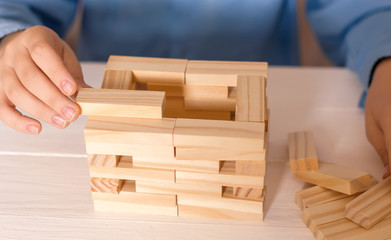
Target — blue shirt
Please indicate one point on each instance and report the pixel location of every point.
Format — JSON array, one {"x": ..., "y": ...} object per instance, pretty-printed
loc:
[{"x": 352, "y": 33}]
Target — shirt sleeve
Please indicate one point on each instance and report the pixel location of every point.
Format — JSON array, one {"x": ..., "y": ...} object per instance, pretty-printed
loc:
[
  {"x": 21, "y": 14},
  {"x": 353, "y": 33}
]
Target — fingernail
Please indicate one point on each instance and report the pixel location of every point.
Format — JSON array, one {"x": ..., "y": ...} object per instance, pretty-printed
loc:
[
  {"x": 59, "y": 121},
  {"x": 67, "y": 87},
  {"x": 32, "y": 129},
  {"x": 69, "y": 113}
]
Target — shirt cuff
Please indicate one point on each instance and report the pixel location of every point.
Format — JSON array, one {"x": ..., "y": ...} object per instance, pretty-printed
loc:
[{"x": 7, "y": 27}]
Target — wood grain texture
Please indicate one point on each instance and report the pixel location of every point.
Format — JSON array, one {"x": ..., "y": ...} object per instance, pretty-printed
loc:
[
  {"x": 117, "y": 79},
  {"x": 348, "y": 230},
  {"x": 175, "y": 108},
  {"x": 129, "y": 201},
  {"x": 134, "y": 131},
  {"x": 337, "y": 178},
  {"x": 249, "y": 168},
  {"x": 210, "y": 153},
  {"x": 372, "y": 206},
  {"x": 251, "y": 99},
  {"x": 219, "y": 134},
  {"x": 302, "y": 151},
  {"x": 325, "y": 213},
  {"x": 220, "y": 73},
  {"x": 104, "y": 184},
  {"x": 102, "y": 160},
  {"x": 157, "y": 70},
  {"x": 121, "y": 103},
  {"x": 173, "y": 90},
  {"x": 178, "y": 188},
  {"x": 210, "y": 104}
]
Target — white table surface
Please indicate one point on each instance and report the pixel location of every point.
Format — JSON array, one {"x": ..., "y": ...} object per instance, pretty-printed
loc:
[{"x": 44, "y": 180}]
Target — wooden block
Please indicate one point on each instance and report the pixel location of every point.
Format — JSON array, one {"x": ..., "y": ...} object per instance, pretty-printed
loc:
[
  {"x": 325, "y": 213},
  {"x": 372, "y": 206},
  {"x": 206, "y": 153},
  {"x": 210, "y": 104},
  {"x": 220, "y": 73},
  {"x": 251, "y": 99},
  {"x": 175, "y": 108},
  {"x": 302, "y": 151},
  {"x": 121, "y": 103},
  {"x": 178, "y": 188},
  {"x": 156, "y": 70},
  {"x": 173, "y": 164},
  {"x": 130, "y": 201},
  {"x": 117, "y": 79},
  {"x": 172, "y": 90},
  {"x": 219, "y": 179},
  {"x": 249, "y": 168},
  {"x": 316, "y": 195},
  {"x": 134, "y": 131},
  {"x": 219, "y": 134},
  {"x": 133, "y": 173},
  {"x": 106, "y": 185},
  {"x": 102, "y": 160},
  {"x": 244, "y": 193},
  {"x": 216, "y": 213},
  {"x": 338, "y": 178},
  {"x": 348, "y": 230}
]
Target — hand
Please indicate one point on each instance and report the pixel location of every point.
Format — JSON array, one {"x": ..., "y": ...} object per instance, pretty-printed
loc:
[
  {"x": 38, "y": 71},
  {"x": 378, "y": 113}
]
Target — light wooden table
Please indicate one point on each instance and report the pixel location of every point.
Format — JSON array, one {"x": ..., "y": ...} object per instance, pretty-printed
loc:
[{"x": 44, "y": 180}]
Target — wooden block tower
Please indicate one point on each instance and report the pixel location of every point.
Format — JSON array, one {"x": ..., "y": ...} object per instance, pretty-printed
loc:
[{"x": 178, "y": 137}]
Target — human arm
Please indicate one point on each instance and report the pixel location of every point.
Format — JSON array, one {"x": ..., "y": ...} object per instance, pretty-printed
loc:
[{"x": 38, "y": 70}]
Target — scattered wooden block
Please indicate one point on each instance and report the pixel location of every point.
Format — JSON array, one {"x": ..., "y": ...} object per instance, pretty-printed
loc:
[
  {"x": 133, "y": 131},
  {"x": 178, "y": 188},
  {"x": 206, "y": 153},
  {"x": 130, "y": 201},
  {"x": 348, "y": 230},
  {"x": 302, "y": 151},
  {"x": 172, "y": 90},
  {"x": 337, "y": 178},
  {"x": 219, "y": 73},
  {"x": 121, "y": 103},
  {"x": 158, "y": 70},
  {"x": 251, "y": 99},
  {"x": 210, "y": 104},
  {"x": 219, "y": 134},
  {"x": 175, "y": 108},
  {"x": 325, "y": 213},
  {"x": 117, "y": 79},
  {"x": 372, "y": 206}
]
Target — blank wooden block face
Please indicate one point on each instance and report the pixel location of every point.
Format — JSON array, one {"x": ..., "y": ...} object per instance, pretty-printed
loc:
[
  {"x": 151, "y": 70},
  {"x": 220, "y": 134},
  {"x": 121, "y": 103},
  {"x": 302, "y": 151},
  {"x": 337, "y": 178},
  {"x": 218, "y": 73},
  {"x": 372, "y": 206},
  {"x": 251, "y": 99}
]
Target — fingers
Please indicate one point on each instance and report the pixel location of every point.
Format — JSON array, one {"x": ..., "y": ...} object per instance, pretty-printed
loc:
[
  {"x": 40, "y": 86},
  {"x": 50, "y": 63},
  {"x": 23, "y": 99}
]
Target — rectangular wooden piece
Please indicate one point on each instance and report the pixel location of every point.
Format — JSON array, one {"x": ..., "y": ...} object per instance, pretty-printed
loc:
[{"x": 302, "y": 151}]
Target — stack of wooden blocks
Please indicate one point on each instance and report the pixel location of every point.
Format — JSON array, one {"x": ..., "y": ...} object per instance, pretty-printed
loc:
[
  {"x": 178, "y": 137},
  {"x": 346, "y": 203}
]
